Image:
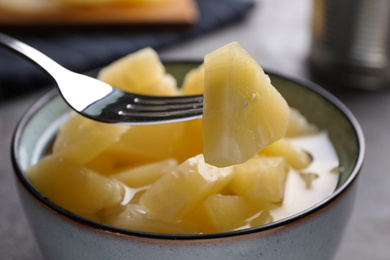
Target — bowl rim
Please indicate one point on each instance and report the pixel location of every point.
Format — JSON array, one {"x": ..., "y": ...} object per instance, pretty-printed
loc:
[{"x": 49, "y": 95}]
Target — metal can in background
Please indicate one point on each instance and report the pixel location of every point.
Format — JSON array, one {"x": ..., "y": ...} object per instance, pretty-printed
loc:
[{"x": 351, "y": 43}]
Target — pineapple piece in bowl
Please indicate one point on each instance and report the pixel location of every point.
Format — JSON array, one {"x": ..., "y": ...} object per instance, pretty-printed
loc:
[
  {"x": 179, "y": 191},
  {"x": 74, "y": 187},
  {"x": 261, "y": 178}
]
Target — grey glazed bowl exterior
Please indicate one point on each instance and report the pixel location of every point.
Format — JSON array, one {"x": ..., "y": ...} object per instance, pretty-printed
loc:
[{"x": 312, "y": 234}]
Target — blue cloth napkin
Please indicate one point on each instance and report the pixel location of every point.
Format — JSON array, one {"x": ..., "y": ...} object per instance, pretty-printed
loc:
[{"x": 81, "y": 52}]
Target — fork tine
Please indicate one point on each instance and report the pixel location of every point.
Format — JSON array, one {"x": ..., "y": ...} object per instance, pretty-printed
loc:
[
  {"x": 165, "y": 100},
  {"x": 174, "y": 114},
  {"x": 144, "y": 117},
  {"x": 160, "y": 109},
  {"x": 163, "y": 107}
]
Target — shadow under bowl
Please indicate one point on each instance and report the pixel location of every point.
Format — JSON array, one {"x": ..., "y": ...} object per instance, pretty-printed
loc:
[{"x": 314, "y": 233}]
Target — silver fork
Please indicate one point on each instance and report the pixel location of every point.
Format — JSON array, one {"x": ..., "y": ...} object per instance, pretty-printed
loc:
[{"x": 101, "y": 102}]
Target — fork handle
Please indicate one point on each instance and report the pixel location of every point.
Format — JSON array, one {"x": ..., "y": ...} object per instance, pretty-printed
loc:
[{"x": 48, "y": 65}]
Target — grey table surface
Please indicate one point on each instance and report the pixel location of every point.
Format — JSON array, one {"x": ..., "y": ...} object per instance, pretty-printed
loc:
[{"x": 277, "y": 35}]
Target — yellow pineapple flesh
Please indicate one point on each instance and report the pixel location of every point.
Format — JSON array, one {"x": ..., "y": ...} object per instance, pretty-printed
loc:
[
  {"x": 145, "y": 174},
  {"x": 243, "y": 112},
  {"x": 75, "y": 188},
  {"x": 134, "y": 72},
  {"x": 298, "y": 125},
  {"x": 223, "y": 213},
  {"x": 295, "y": 156},
  {"x": 261, "y": 178},
  {"x": 138, "y": 217},
  {"x": 192, "y": 142},
  {"x": 194, "y": 82},
  {"x": 81, "y": 139},
  {"x": 150, "y": 142},
  {"x": 177, "y": 192}
]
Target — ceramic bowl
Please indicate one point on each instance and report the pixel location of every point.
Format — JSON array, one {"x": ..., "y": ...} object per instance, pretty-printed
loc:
[{"x": 314, "y": 233}]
